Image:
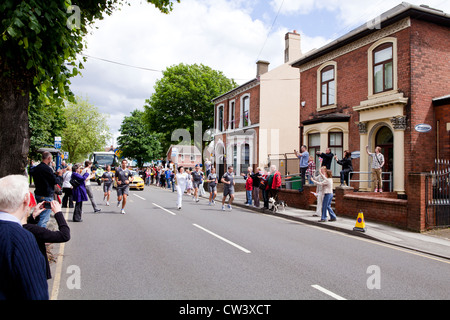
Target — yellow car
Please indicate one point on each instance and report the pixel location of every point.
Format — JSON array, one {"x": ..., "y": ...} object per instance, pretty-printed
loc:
[{"x": 138, "y": 182}]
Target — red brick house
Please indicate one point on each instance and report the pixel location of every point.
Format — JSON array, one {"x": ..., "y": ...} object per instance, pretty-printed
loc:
[{"x": 379, "y": 85}]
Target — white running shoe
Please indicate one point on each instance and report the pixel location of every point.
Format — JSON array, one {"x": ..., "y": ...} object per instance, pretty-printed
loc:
[{"x": 122, "y": 211}]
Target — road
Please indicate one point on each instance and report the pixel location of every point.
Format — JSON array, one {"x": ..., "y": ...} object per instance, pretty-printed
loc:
[{"x": 156, "y": 252}]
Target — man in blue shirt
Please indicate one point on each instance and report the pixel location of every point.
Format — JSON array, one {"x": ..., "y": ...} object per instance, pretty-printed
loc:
[{"x": 304, "y": 158}]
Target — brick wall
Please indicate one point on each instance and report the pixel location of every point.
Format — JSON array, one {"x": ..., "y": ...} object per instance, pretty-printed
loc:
[
  {"x": 430, "y": 79},
  {"x": 442, "y": 114}
]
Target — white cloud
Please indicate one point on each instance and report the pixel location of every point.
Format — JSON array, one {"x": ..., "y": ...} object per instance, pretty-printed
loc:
[
  {"x": 217, "y": 33},
  {"x": 351, "y": 13}
]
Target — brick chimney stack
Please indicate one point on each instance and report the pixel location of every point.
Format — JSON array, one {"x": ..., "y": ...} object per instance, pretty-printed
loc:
[{"x": 262, "y": 67}]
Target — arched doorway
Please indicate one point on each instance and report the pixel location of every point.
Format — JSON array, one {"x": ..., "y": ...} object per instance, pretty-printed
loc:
[
  {"x": 385, "y": 140},
  {"x": 220, "y": 160}
]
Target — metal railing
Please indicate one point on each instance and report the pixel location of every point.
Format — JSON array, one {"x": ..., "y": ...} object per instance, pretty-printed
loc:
[
  {"x": 389, "y": 180},
  {"x": 437, "y": 194}
]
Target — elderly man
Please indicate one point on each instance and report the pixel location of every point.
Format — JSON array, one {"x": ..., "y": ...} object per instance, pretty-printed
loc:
[{"x": 22, "y": 265}]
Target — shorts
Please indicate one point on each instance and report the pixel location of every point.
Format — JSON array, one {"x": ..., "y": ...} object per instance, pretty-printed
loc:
[
  {"x": 123, "y": 190},
  {"x": 107, "y": 187},
  {"x": 228, "y": 191},
  {"x": 212, "y": 188},
  {"x": 197, "y": 183}
]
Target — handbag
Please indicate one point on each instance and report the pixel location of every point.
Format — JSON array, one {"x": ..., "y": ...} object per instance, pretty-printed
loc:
[{"x": 75, "y": 183}]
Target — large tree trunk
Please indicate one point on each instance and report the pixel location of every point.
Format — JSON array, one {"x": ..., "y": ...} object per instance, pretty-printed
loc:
[{"x": 14, "y": 129}]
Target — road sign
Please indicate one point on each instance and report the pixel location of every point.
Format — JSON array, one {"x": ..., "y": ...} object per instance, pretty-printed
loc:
[{"x": 57, "y": 142}]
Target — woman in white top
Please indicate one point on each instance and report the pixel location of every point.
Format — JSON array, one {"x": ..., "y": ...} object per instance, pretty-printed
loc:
[
  {"x": 181, "y": 179},
  {"x": 327, "y": 189},
  {"x": 319, "y": 193},
  {"x": 67, "y": 188}
]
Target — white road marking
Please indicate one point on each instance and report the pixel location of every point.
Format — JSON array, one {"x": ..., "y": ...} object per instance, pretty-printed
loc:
[
  {"x": 223, "y": 239},
  {"x": 59, "y": 263},
  {"x": 164, "y": 209},
  {"x": 328, "y": 292},
  {"x": 139, "y": 196}
]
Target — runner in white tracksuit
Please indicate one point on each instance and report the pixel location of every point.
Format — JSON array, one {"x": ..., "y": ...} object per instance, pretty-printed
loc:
[{"x": 182, "y": 180}]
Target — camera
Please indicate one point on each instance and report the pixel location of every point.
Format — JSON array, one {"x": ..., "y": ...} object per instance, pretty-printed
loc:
[{"x": 47, "y": 205}]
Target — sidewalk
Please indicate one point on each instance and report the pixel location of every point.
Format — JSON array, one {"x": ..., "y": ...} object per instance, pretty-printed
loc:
[{"x": 437, "y": 244}]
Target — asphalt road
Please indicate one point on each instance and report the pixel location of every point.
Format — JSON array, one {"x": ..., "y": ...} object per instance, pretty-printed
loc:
[{"x": 156, "y": 252}]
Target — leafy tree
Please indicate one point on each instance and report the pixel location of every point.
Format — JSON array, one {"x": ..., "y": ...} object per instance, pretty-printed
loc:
[
  {"x": 39, "y": 41},
  {"x": 45, "y": 123},
  {"x": 184, "y": 95},
  {"x": 86, "y": 130},
  {"x": 137, "y": 141}
]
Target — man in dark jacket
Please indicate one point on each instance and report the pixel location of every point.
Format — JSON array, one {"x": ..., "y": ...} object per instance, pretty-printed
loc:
[
  {"x": 327, "y": 158},
  {"x": 44, "y": 181}
]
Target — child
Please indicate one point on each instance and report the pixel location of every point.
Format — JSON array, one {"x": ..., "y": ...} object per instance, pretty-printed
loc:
[
  {"x": 311, "y": 169},
  {"x": 249, "y": 189}
]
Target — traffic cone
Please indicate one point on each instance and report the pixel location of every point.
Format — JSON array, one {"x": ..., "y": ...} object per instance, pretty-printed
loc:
[{"x": 360, "y": 224}]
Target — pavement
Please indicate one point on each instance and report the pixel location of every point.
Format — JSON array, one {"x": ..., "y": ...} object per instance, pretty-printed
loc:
[{"x": 435, "y": 243}]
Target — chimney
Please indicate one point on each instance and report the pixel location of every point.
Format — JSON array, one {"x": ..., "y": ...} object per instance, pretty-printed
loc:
[
  {"x": 293, "y": 49},
  {"x": 262, "y": 67}
]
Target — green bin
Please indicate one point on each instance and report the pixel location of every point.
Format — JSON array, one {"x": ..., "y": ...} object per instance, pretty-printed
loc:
[{"x": 294, "y": 183}]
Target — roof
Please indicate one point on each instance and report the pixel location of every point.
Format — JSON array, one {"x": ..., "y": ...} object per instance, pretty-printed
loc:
[
  {"x": 389, "y": 17},
  {"x": 186, "y": 149},
  {"x": 242, "y": 87},
  {"x": 441, "y": 101}
]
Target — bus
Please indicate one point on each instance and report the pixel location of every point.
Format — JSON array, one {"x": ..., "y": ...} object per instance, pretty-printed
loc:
[{"x": 99, "y": 162}]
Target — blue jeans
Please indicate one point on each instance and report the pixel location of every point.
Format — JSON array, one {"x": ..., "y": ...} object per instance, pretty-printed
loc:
[
  {"x": 326, "y": 205},
  {"x": 249, "y": 197},
  {"x": 45, "y": 215}
]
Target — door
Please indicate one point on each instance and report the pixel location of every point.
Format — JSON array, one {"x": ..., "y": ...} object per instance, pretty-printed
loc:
[{"x": 385, "y": 140}]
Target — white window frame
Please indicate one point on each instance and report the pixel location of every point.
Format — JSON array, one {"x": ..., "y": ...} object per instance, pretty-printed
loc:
[{"x": 319, "y": 86}]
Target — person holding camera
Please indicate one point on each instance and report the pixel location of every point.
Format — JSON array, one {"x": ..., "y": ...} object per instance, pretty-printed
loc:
[
  {"x": 43, "y": 235},
  {"x": 377, "y": 165},
  {"x": 347, "y": 167}
]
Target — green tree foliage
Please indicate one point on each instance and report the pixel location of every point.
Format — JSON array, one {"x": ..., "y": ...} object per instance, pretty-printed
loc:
[
  {"x": 183, "y": 95},
  {"x": 39, "y": 41},
  {"x": 46, "y": 123},
  {"x": 137, "y": 141},
  {"x": 86, "y": 130}
]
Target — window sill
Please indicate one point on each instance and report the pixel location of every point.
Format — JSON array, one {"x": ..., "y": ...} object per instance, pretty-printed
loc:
[{"x": 330, "y": 107}]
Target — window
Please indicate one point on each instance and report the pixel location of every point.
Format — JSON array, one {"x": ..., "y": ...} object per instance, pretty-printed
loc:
[
  {"x": 245, "y": 111},
  {"x": 245, "y": 157},
  {"x": 232, "y": 110},
  {"x": 314, "y": 146},
  {"x": 328, "y": 86},
  {"x": 383, "y": 66},
  {"x": 335, "y": 143},
  {"x": 220, "y": 119}
]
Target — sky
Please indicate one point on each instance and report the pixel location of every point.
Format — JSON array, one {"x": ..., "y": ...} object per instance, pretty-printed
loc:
[{"x": 227, "y": 35}]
